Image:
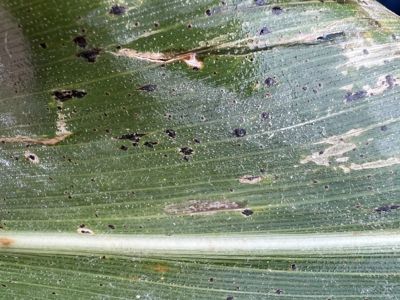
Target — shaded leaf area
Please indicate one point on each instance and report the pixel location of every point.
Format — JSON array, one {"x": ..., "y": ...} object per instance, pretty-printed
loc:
[{"x": 94, "y": 277}]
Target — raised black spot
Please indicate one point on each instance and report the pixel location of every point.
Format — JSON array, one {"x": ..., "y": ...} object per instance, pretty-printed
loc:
[
  {"x": 259, "y": 2},
  {"x": 150, "y": 144},
  {"x": 43, "y": 45},
  {"x": 208, "y": 12},
  {"x": 265, "y": 30},
  {"x": 80, "y": 41},
  {"x": 90, "y": 55},
  {"x": 148, "y": 88},
  {"x": 123, "y": 147},
  {"x": 82, "y": 226},
  {"x": 229, "y": 298},
  {"x": 118, "y": 10},
  {"x": 330, "y": 36},
  {"x": 211, "y": 279},
  {"x": 390, "y": 81},
  {"x": 134, "y": 137},
  {"x": 186, "y": 150},
  {"x": 277, "y": 10},
  {"x": 239, "y": 132},
  {"x": 384, "y": 128},
  {"x": 197, "y": 141},
  {"x": 64, "y": 95},
  {"x": 171, "y": 133},
  {"x": 355, "y": 96},
  {"x": 270, "y": 81},
  {"x": 111, "y": 226},
  {"x": 278, "y": 291},
  {"x": 247, "y": 212},
  {"x": 387, "y": 208},
  {"x": 293, "y": 267},
  {"x": 32, "y": 157},
  {"x": 265, "y": 115}
]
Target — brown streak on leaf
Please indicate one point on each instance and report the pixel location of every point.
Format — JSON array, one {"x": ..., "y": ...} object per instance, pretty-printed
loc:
[
  {"x": 6, "y": 242},
  {"x": 38, "y": 141},
  {"x": 202, "y": 207},
  {"x": 160, "y": 268}
]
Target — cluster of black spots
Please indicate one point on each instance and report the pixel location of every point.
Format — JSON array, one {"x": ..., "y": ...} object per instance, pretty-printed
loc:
[
  {"x": 239, "y": 132},
  {"x": 247, "y": 212},
  {"x": 90, "y": 55},
  {"x": 64, "y": 95},
  {"x": 80, "y": 41},
  {"x": 331, "y": 36},
  {"x": 133, "y": 137},
  {"x": 350, "y": 97},
  {"x": 277, "y": 10},
  {"x": 269, "y": 82},
  {"x": 171, "y": 133},
  {"x": 118, "y": 10},
  {"x": 387, "y": 208},
  {"x": 265, "y": 30},
  {"x": 43, "y": 45},
  {"x": 150, "y": 144},
  {"x": 186, "y": 151},
  {"x": 148, "y": 87}
]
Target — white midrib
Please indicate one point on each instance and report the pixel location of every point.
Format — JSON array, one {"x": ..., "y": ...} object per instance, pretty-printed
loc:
[{"x": 203, "y": 244}]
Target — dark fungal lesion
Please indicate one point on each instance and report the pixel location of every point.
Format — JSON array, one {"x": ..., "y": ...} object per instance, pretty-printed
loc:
[
  {"x": 64, "y": 95},
  {"x": 247, "y": 212},
  {"x": 118, "y": 10},
  {"x": 80, "y": 41},
  {"x": 171, "y": 133},
  {"x": 387, "y": 208},
  {"x": 134, "y": 137},
  {"x": 270, "y": 81},
  {"x": 186, "y": 150},
  {"x": 147, "y": 87},
  {"x": 331, "y": 36},
  {"x": 150, "y": 144},
  {"x": 350, "y": 97},
  {"x": 265, "y": 30},
  {"x": 277, "y": 10},
  {"x": 90, "y": 55},
  {"x": 239, "y": 132}
]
